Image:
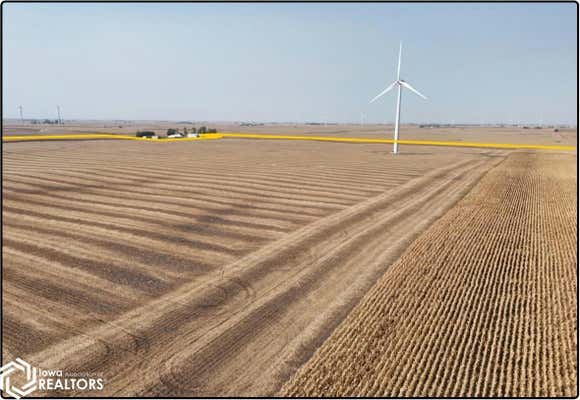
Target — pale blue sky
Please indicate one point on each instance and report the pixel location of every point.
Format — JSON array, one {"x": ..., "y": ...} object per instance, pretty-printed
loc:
[{"x": 287, "y": 62}]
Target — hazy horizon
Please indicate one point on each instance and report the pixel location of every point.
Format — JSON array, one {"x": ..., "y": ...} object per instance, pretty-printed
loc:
[
  {"x": 477, "y": 63},
  {"x": 38, "y": 120}
]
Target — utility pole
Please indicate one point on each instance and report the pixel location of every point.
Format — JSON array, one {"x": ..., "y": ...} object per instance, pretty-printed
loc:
[
  {"x": 58, "y": 112},
  {"x": 21, "y": 117}
]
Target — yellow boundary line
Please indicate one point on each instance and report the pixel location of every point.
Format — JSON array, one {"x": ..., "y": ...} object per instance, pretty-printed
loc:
[
  {"x": 289, "y": 137},
  {"x": 411, "y": 142},
  {"x": 104, "y": 136}
]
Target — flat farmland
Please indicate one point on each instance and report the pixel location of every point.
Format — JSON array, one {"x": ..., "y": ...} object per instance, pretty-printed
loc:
[
  {"x": 487, "y": 134},
  {"x": 205, "y": 268},
  {"x": 483, "y": 304}
]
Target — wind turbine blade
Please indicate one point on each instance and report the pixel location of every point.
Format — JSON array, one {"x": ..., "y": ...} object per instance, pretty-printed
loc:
[
  {"x": 399, "y": 67},
  {"x": 392, "y": 85},
  {"x": 412, "y": 89}
]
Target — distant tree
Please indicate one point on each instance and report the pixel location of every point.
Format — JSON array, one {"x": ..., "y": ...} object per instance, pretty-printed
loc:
[
  {"x": 185, "y": 131},
  {"x": 212, "y": 130},
  {"x": 193, "y": 130},
  {"x": 145, "y": 134},
  {"x": 202, "y": 129},
  {"x": 171, "y": 131}
]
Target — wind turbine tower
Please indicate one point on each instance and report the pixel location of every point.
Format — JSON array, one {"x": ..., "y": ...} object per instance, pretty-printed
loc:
[
  {"x": 21, "y": 117},
  {"x": 58, "y": 112},
  {"x": 399, "y": 83}
]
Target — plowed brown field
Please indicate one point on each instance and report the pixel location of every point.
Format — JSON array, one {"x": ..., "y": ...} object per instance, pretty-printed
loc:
[
  {"x": 484, "y": 303},
  {"x": 204, "y": 269}
]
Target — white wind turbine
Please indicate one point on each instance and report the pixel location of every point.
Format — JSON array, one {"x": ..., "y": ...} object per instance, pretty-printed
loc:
[{"x": 400, "y": 83}]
